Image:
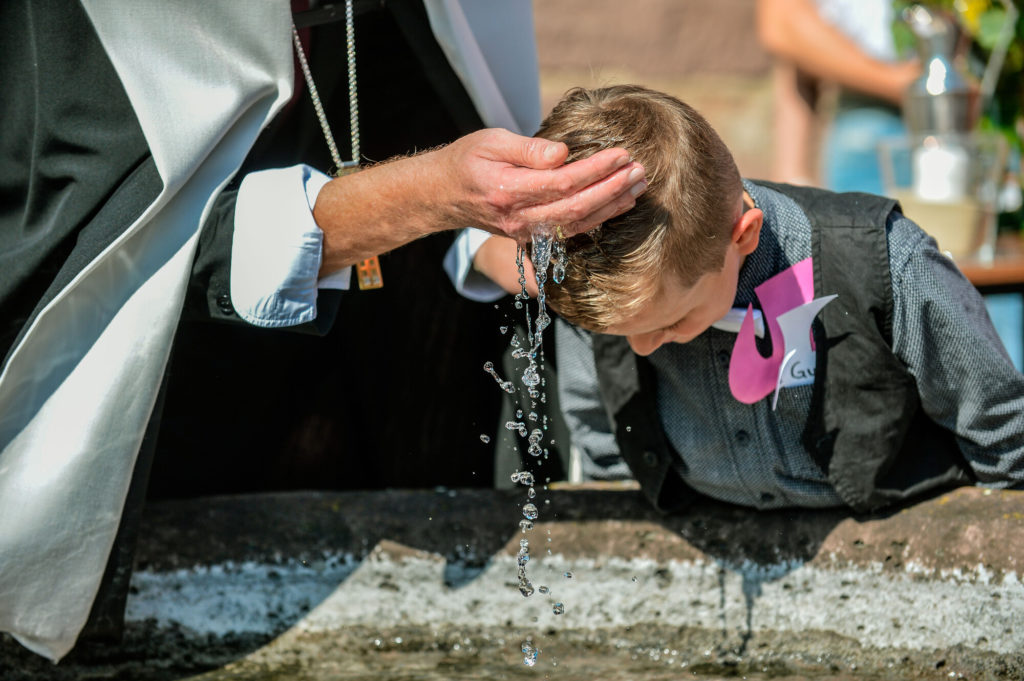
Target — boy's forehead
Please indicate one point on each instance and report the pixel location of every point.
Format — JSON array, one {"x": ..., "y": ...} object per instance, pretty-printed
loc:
[{"x": 665, "y": 307}]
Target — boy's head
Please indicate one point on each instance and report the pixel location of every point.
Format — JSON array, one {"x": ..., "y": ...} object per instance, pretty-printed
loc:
[{"x": 671, "y": 261}]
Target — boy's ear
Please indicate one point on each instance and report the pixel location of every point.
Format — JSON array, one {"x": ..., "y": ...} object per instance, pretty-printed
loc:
[{"x": 747, "y": 231}]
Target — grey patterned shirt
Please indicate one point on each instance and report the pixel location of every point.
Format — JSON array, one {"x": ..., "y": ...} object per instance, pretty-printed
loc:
[{"x": 751, "y": 454}]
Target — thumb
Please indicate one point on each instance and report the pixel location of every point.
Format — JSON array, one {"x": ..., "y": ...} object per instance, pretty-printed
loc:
[{"x": 536, "y": 153}]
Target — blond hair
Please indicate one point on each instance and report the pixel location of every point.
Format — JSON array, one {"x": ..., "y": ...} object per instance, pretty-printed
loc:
[{"x": 680, "y": 226}]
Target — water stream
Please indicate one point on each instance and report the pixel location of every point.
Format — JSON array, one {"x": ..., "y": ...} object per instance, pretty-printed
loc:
[{"x": 546, "y": 253}]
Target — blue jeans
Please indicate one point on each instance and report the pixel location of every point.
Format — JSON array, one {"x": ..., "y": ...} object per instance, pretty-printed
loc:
[{"x": 850, "y": 156}]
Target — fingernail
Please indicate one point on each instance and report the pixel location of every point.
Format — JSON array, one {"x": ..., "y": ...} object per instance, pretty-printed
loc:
[
  {"x": 551, "y": 152},
  {"x": 635, "y": 175},
  {"x": 622, "y": 160},
  {"x": 637, "y": 189}
]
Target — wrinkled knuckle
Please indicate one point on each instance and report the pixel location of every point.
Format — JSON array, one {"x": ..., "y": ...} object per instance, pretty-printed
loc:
[
  {"x": 513, "y": 226},
  {"x": 535, "y": 147},
  {"x": 575, "y": 214},
  {"x": 497, "y": 200},
  {"x": 563, "y": 184}
]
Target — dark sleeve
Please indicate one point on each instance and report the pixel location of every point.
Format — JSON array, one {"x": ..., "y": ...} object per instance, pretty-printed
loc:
[
  {"x": 209, "y": 289},
  {"x": 966, "y": 381}
]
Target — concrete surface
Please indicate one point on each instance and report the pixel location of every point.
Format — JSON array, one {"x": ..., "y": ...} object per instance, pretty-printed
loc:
[{"x": 302, "y": 585}]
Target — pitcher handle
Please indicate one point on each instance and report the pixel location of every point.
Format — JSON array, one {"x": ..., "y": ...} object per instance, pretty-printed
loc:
[{"x": 998, "y": 55}]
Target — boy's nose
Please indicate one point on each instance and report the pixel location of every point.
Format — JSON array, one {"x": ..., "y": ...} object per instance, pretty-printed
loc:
[{"x": 645, "y": 343}]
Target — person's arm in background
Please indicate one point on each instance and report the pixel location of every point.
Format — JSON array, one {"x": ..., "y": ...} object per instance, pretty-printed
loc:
[
  {"x": 794, "y": 95},
  {"x": 795, "y": 31}
]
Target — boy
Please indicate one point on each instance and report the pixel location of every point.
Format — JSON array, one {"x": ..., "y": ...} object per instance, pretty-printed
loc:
[{"x": 905, "y": 387}]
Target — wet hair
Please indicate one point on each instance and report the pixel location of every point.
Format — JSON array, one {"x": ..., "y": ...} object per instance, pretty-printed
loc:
[{"x": 679, "y": 227}]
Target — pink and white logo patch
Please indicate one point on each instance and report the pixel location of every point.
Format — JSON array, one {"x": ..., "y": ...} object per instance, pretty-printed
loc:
[{"x": 790, "y": 307}]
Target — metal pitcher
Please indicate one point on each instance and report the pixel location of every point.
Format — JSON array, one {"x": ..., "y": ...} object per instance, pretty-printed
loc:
[{"x": 947, "y": 98}]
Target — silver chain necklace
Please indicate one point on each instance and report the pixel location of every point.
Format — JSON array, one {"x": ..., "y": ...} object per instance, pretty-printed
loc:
[{"x": 340, "y": 167}]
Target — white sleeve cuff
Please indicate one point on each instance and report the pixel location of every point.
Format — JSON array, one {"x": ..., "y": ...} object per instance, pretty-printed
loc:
[
  {"x": 277, "y": 247},
  {"x": 458, "y": 263}
]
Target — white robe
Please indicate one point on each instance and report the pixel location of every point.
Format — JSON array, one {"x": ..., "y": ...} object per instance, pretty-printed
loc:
[{"x": 77, "y": 392}]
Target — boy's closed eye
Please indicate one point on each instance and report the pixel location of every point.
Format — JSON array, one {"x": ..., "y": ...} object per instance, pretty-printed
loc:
[{"x": 675, "y": 326}]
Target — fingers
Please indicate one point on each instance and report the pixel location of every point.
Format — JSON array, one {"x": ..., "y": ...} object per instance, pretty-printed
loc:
[
  {"x": 617, "y": 206},
  {"x": 533, "y": 187},
  {"x": 596, "y": 203}
]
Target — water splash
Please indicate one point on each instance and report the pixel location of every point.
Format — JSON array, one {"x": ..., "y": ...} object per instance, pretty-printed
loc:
[
  {"x": 523, "y": 478},
  {"x": 546, "y": 253},
  {"x": 530, "y": 654},
  {"x": 485, "y": 438},
  {"x": 517, "y": 426},
  {"x": 522, "y": 558},
  {"x": 534, "y": 441},
  {"x": 558, "y": 261},
  {"x": 507, "y": 386}
]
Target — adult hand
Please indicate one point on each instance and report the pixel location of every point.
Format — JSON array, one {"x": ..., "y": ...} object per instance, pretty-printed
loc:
[
  {"x": 506, "y": 184},
  {"x": 491, "y": 179}
]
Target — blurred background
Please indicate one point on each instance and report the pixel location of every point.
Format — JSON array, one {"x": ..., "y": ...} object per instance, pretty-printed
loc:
[{"x": 706, "y": 52}]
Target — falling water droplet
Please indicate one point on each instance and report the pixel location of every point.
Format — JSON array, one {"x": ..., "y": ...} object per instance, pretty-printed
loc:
[
  {"x": 558, "y": 609},
  {"x": 517, "y": 426},
  {"x": 523, "y": 478},
  {"x": 543, "y": 589},
  {"x": 505, "y": 385},
  {"x": 529, "y": 654},
  {"x": 485, "y": 438},
  {"x": 530, "y": 512},
  {"x": 567, "y": 574}
]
